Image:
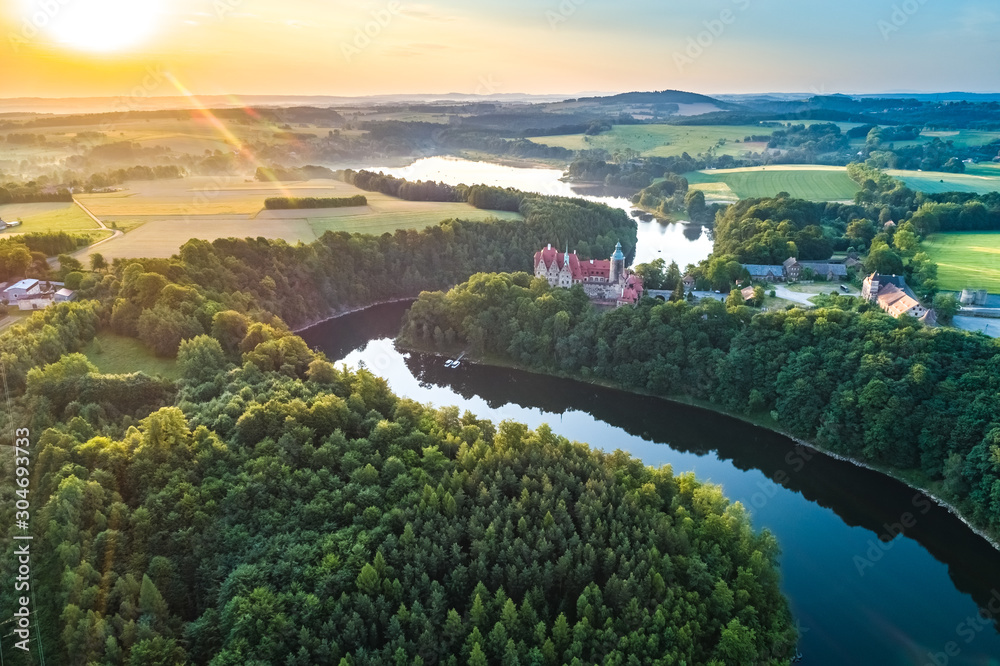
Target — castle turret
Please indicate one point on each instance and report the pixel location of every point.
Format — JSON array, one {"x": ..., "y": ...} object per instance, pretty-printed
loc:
[{"x": 617, "y": 264}]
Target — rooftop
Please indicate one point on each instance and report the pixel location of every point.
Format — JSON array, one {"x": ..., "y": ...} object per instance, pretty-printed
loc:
[{"x": 23, "y": 284}]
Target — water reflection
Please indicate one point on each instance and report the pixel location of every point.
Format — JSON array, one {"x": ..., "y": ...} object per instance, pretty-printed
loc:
[
  {"x": 861, "y": 600},
  {"x": 682, "y": 242}
]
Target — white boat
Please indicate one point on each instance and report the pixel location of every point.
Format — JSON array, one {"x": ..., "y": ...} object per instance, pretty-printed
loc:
[
  {"x": 449, "y": 364},
  {"x": 455, "y": 364}
]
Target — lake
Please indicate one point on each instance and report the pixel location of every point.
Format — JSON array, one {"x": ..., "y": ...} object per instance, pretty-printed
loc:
[
  {"x": 859, "y": 595},
  {"x": 681, "y": 242}
]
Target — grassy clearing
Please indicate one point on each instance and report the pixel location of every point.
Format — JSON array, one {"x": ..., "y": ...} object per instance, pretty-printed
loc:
[
  {"x": 980, "y": 179},
  {"x": 966, "y": 260},
  {"x": 815, "y": 183},
  {"x": 117, "y": 355},
  {"x": 824, "y": 288}
]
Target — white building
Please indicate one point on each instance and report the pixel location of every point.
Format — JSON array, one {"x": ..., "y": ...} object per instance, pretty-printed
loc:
[{"x": 21, "y": 290}]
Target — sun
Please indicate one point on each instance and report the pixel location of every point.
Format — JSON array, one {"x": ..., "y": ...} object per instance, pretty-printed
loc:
[{"x": 96, "y": 25}]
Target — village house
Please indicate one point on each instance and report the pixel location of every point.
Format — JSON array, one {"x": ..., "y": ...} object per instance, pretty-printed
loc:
[
  {"x": 603, "y": 280},
  {"x": 765, "y": 273},
  {"x": 793, "y": 270},
  {"x": 30, "y": 294},
  {"x": 893, "y": 296},
  {"x": 24, "y": 289}
]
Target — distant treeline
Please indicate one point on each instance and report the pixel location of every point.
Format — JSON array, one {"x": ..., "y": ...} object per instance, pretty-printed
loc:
[
  {"x": 485, "y": 197},
  {"x": 308, "y": 172},
  {"x": 140, "y": 172},
  {"x": 19, "y": 193},
  {"x": 295, "y": 203}
]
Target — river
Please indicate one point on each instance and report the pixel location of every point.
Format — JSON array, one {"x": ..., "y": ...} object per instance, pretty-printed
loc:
[
  {"x": 681, "y": 242},
  {"x": 858, "y": 598}
]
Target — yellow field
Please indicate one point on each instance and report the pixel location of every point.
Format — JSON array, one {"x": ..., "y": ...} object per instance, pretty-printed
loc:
[{"x": 160, "y": 216}]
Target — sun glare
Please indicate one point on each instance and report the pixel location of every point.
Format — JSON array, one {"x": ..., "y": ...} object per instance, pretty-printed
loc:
[{"x": 97, "y": 25}]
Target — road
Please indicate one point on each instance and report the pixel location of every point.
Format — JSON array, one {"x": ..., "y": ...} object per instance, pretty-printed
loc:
[{"x": 117, "y": 233}]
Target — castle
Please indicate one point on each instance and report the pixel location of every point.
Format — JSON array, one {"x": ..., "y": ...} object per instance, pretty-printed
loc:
[{"x": 603, "y": 280}]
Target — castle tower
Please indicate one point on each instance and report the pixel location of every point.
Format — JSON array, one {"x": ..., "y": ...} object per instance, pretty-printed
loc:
[{"x": 617, "y": 264}]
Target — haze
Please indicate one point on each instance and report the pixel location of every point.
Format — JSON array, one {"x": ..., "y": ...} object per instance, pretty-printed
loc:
[{"x": 59, "y": 49}]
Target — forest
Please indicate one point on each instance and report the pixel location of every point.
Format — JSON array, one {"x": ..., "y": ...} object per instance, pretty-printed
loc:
[
  {"x": 306, "y": 515},
  {"x": 420, "y": 536},
  {"x": 846, "y": 376}
]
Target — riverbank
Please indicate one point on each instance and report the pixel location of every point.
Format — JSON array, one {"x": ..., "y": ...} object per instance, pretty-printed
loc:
[
  {"x": 343, "y": 313},
  {"x": 761, "y": 420}
]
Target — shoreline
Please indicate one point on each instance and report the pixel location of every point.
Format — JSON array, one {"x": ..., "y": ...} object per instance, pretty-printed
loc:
[
  {"x": 342, "y": 313},
  {"x": 944, "y": 504}
]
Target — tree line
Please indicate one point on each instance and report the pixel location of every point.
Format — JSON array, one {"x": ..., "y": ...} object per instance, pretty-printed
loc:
[{"x": 294, "y": 203}]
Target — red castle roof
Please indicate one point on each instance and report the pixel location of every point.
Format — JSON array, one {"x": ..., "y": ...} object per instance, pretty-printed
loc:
[
  {"x": 632, "y": 291},
  {"x": 579, "y": 270}
]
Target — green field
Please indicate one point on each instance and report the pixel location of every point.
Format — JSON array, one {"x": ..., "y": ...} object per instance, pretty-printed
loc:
[
  {"x": 44, "y": 217},
  {"x": 117, "y": 355},
  {"x": 966, "y": 259},
  {"x": 160, "y": 216},
  {"x": 978, "y": 179},
  {"x": 815, "y": 183},
  {"x": 665, "y": 140},
  {"x": 671, "y": 140}
]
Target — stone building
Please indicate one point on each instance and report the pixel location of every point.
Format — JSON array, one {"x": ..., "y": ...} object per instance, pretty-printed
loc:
[
  {"x": 891, "y": 293},
  {"x": 605, "y": 280}
]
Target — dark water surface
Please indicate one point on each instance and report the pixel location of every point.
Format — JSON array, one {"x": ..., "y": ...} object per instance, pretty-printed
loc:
[{"x": 860, "y": 596}]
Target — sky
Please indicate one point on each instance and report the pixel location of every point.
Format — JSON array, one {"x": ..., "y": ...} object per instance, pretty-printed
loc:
[{"x": 74, "y": 48}]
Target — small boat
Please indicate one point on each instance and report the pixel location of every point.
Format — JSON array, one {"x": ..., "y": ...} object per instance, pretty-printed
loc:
[
  {"x": 455, "y": 364},
  {"x": 449, "y": 364}
]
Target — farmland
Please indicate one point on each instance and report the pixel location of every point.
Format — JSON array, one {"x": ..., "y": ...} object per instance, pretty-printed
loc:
[
  {"x": 665, "y": 140},
  {"x": 45, "y": 217},
  {"x": 815, "y": 183},
  {"x": 978, "y": 179},
  {"x": 966, "y": 260},
  {"x": 672, "y": 140},
  {"x": 172, "y": 212}
]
